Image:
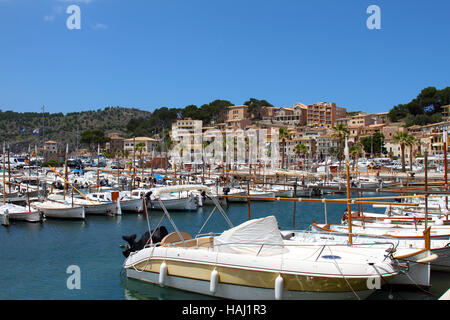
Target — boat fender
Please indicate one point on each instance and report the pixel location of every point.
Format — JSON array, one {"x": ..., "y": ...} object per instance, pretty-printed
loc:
[
  {"x": 162, "y": 273},
  {"x": 200, "y": 200},
  {"x": 119, "y": 208},
  {"x": 279, "y": 286},
  {"x": 214, "y": 281}
]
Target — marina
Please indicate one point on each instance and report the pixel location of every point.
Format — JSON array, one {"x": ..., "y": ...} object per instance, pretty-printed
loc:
[
  {"x": 263, "y": 205},
  {"x": 253, "y": 154}
]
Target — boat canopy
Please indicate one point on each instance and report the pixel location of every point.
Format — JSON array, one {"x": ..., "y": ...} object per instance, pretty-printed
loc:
[
  {"x": 187, "y": 187},
  {"x": 259, "y": 237}
]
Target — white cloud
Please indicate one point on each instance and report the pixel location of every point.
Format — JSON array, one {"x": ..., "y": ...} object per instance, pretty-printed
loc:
[
  {"x": 100, "y": 26},
  {"x": 49, "y": 18}
]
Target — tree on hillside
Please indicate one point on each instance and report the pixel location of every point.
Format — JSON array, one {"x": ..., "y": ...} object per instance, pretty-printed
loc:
[
  {"x": 427, "y": 103},
  {"x": 93, "y": 137},
  {"x": 255, "y": 107}
]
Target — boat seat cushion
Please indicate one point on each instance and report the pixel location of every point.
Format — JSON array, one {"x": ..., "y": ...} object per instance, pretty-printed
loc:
[{"x": 174, "y": 237}]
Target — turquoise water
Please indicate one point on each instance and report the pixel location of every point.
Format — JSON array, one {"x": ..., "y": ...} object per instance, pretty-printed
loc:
[{"x": 35, "y": 257}]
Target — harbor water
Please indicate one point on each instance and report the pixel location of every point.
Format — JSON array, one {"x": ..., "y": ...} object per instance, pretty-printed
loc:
[{"x": 37, "y": 259}]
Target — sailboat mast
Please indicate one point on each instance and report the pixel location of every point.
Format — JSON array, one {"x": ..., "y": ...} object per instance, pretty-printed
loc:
[
  {"x": 349, "y": 204},
  {"x": 4, "y": 174},
  {"x": 66, "y": 171},
  {"x": 445, "y": 166}
]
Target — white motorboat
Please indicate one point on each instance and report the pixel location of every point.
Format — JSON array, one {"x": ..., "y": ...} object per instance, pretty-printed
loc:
[
  {"x": 253, "y": 261},
  {"x": 368, "y": 182},
  {"x": 282, "y": 191},
  {"x": 127, "y": 203},
  {"x": 57, "y": 210},
  {"x": 182, "y": 197}
]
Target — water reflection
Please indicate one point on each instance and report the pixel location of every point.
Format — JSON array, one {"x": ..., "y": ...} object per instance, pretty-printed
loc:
[
  {"x": 440, "y": 283},
  {"x": 139, "y": 290}
]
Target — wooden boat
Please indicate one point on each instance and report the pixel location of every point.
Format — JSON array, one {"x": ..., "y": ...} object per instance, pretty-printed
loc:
[
  {"x": 408, "y": 237},
  {"x": 19, "y": 213},
  {"x": 91, "y": 206},
  {"x": 57, "y": 210}
]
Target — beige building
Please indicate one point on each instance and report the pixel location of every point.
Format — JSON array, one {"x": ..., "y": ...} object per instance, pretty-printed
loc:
[
  {"x": 51, "y": 150},
  {"x": 238, "y": 117},
  {"x": 324, "y": 114},
  {"x": 149, "y": 144},
  {"x": 295, "y": 115},
  {"x": 186, "y": 125},
  {"x": 115, "y": 143},
  {"x": 359, "y": 120}
]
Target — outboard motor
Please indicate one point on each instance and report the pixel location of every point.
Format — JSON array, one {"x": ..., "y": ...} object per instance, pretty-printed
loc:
[
  {"x": 226, "y": 191},
  {"x": 132, "y": 246}
]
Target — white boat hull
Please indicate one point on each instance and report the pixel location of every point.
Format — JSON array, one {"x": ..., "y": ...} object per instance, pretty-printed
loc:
[
  {"x": 175, "y": 204},
  {"x": 109, "y": 208},
  {"x": 133, "y": 205},
  {"x": 19, "y": 213},
  {"x": 229, "y": 291},
  {"x": 64, "y": 213}
]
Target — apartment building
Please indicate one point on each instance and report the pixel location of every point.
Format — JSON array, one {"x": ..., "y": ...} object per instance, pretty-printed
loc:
[
  {"x": 359, "y": 120},
  {"x": 324, "y": 114},
  {"x": 149, "y": 144},
  {"x": 115, "y": 143},
  {"x": 295, "y": 115},
  {"x": 238, "y": 117}
]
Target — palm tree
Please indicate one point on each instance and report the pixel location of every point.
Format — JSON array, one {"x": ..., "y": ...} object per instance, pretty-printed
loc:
[
  {"x": 340, "y": 132},
  {"x": 301, "y": 150},
  {"x": 403, "y": 139},
  {"x": 283, "y": 136},
  {"x": 140, "y": 148},
  {"x": 411, "y": 142},
  {"x": 355, "y": 152}
]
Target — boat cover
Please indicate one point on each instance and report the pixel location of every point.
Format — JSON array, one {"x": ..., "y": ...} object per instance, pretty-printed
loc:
[{"x": 258, "y": 237}]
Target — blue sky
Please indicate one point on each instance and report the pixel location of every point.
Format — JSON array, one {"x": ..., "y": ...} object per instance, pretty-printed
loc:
[{"x": 150, "y": 54}]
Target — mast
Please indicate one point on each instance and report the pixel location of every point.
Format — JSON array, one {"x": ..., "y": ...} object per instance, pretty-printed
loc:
[
  {"x": 9, "y": 169},
  {"x": 349, "y": 205},
  {"x": 66, "y": 171},
  {"x": 98, "y": 167},
  {"x": 29, "y": 177},
  {"x": 4, "y": 173},
  {"x": 445, "y": 166}
]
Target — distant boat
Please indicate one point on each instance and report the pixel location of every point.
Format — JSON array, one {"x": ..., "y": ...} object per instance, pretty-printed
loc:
[
  {"x": 127, "y": 203},
  {"x": 19, "y": 213},
  {"x": 57, "y": 210},
  {"x": 91, "y": 206}
]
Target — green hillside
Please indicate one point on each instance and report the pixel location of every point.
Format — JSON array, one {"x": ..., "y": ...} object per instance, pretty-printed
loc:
[{"x": 17, "y": 128}]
